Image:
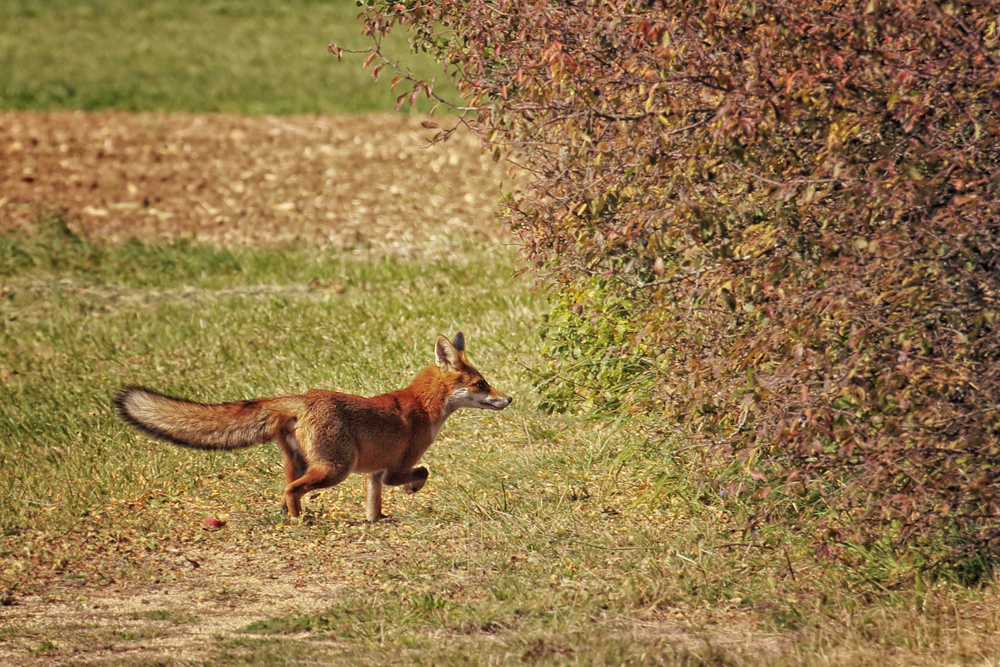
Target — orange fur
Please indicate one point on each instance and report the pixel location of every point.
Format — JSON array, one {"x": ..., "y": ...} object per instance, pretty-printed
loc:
[{"x": 324, "y": 436}]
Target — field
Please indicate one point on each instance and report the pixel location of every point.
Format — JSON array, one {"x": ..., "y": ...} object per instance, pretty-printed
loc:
[
  {"x": 239, "y": 56},
  {"x": 237, "y": 180},
  {"x": 222, "y": 256}
]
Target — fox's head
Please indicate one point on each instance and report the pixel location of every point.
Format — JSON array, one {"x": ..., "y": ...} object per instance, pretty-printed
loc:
[{"x": 469, "y": 389}]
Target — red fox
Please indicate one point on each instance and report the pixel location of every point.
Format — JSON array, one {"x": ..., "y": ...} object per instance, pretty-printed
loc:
[{"x": 324, "y": 436}]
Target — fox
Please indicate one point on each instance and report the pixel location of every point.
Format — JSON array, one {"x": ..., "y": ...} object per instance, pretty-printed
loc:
[{"x": 324, "y": 436}]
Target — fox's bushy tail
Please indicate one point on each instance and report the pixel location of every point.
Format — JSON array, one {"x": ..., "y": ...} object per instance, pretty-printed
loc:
[{"x": 190, "y": 424}]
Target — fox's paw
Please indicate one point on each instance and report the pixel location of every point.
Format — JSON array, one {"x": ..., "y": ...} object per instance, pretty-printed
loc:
[
  {"x": 290, "y": 507},
  {"x": 420, "y": 478}
]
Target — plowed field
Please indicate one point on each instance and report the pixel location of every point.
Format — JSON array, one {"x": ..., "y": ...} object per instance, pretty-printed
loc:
[{"x": 227, "y": 179}]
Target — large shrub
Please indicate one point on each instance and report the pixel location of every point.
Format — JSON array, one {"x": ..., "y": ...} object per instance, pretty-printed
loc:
[{"x": 773, "y": 224}]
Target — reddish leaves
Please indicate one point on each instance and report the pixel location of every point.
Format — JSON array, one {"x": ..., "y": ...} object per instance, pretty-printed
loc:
[{"x": 797, "y": 204}]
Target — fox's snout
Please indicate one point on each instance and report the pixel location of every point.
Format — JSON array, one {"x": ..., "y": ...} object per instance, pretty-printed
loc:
[
  {"x": 484, "y": 398},
  {"x": 499, "y": 401}
]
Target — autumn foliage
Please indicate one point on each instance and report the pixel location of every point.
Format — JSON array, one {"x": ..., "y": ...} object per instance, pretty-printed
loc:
[{"x": 773, "y": 225}]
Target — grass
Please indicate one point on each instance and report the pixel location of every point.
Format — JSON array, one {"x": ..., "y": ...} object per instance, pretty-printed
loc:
[
  {"x": 538, "y": 539},
  {"x": 79, "y": 320},
  {"x": 238, "y": 56}
]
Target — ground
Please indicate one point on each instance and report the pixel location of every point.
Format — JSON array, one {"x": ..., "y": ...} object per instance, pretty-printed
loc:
[{"x": 237, "y": 179}]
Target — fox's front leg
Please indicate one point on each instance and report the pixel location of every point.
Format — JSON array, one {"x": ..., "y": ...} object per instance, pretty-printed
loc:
[
  {"x": 411, "y": 481},
  {"x": 373, "y": 496}
]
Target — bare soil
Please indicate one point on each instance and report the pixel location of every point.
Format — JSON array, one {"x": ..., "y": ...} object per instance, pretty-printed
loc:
[
  {"x": 178, "y": 621},
  {"x": 230, "y": 180}
]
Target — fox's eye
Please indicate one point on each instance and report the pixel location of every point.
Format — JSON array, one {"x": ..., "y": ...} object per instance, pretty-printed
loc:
[{"x": 482, "y": 385}]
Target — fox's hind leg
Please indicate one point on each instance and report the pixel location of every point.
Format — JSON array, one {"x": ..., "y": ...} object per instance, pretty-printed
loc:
[
  {"x": 291, "y": 452},
  {"x": 328, "y": 458},
  {"x": 317, "y": 476}
]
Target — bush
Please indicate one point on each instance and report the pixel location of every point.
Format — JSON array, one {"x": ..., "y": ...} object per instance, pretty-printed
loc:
[{"x": 772, "y": 225}]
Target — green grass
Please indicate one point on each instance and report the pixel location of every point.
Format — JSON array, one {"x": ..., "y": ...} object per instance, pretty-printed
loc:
[
  {"x": 538, "y": 539},
  {"x": 78, "y": 320},
  {"x": 239, "y": 56}
]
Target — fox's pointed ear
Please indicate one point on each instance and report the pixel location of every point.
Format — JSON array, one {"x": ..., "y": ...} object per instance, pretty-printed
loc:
[
  {"x": 459, "y": 342},
  {"x": 445, "y": 354}
]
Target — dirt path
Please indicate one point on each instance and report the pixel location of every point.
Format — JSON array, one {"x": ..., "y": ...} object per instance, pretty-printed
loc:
[
  {"x": 199, "y": 612},
  {"x": 234, "y": 179},
  {"x": 181, "y": 621}
]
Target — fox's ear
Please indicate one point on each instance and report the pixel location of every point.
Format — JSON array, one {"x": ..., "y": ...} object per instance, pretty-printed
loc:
[
  {"x": 459, "y": 342},
  {"x": 445, "y": 354}
]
